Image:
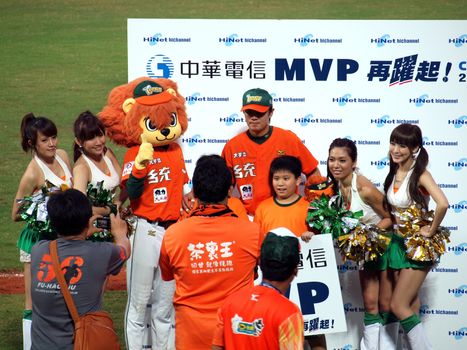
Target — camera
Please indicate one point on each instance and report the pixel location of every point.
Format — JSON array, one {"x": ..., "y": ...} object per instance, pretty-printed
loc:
[{"x": 103, "y": 223}]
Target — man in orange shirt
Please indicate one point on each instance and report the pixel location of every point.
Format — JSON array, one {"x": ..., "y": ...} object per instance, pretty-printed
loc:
[
  {"x": 210, "y": 254},
  {"x": 261, "y": 317},
  {"x": 250, "y": 153}
]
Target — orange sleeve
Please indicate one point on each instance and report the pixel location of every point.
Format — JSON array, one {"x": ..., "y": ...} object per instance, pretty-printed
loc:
[
  {"x": 291, "y": 332},
  {"x": 218, "y": 338},
  {"x": 164, "y": 264}
]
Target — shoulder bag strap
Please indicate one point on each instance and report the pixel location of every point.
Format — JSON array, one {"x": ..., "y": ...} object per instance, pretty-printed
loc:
[{"x": 61, "y": 280}]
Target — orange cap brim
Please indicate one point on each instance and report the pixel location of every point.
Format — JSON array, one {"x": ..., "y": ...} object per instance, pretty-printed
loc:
[
  {"x": 156, "y": 99},
  {"x": 257, "y": 108}
]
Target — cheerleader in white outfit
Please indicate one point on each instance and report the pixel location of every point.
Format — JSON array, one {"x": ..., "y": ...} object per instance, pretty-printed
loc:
[
  {"x": 360, "y": 194},
  {"x": 407, "y": 183},
  {"x": 94, "y": 162},
  {"x": 48, "y": 164}
]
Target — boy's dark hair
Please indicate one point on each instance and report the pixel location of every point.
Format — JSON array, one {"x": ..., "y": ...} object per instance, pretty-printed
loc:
[
  {"x": 69, "y": 212},
  {"x": 211, "y": 179},
  {"x": 287, "y": 163},
  {"x": 279, "y": 257}
]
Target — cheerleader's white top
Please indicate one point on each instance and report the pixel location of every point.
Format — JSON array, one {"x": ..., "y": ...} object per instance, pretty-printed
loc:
[
  {"x": 97, "y": 175},
  {"x": 357, "y": 204},
  {"x": 50, "y": 176}
]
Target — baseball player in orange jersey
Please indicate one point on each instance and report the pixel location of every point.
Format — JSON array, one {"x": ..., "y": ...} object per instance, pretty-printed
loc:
[
  {"x": 261, "y": 317},
  {"x": 250, "y": 153},
  {"x": 148, "y": 115}
]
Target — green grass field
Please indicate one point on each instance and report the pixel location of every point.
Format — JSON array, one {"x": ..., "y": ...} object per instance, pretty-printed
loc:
[{"x": 60, "y": 58}]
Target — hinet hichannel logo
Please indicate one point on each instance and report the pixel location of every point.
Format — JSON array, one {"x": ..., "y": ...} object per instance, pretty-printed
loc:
[
  {"x": 380, "y": 164},
  {"x": 458, "y": 249},
  {"x": 459, "y": 291},
  {"x": 154, "y": 39},
  {"x": 305, "y": 40},
  {"x": 232, "y": 119},
  {"x": 459, "y": 41},
  {"x": 459, "y": 122},
  {"x": 459, "y": 334},
  {"x": 459, "y": 207},
  {"x": 380, "y": 42},
  {"x": 159, "y": 66},
  {"x": 191, "y": 100},
  {"x": 458, "y": 165}
]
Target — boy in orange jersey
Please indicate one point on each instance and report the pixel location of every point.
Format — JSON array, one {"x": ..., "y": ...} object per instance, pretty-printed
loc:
[
  {"x": 210, "y": 254},
  {"x": 261, "y": 317},
  {"x": 250, "y": 153},
  {"x": 286, "y": 208}
]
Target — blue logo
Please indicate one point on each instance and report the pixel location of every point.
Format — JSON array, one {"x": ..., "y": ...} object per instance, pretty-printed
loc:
[
  {"x": 232, "y": 119},
  {"x": 192, "y": 141},
  {"x": 230, "y": 40},
  {"x": 343, "y": 99},
  {"x": 459, "y": 121},
  {"x": 154, "y": 39},
  {"x": 160, "y": 66},
  {"x": 459, "y": 165},
  {"x": 305, "y": 40},
  {"x": 459, "y": 206},
  {"x": 460, "y": 40},
  {"x": 458, "y": 249},
  {"x": 306, "y": 120},
  {"x": 191, "y": 100},
  {"x": 459, "y": 291},
  {"x": 459, "y": 334},
  {"x": 382, "y": 40},
  {"x": 426, "y": 141},
  {"x": 381, "y": 121},
  {"x": 380, "y": 164},
  {"x": 421, "y": 101}
]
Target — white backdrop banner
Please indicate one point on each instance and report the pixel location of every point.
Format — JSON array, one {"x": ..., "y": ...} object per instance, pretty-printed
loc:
[{"x": 331, "y": 78}]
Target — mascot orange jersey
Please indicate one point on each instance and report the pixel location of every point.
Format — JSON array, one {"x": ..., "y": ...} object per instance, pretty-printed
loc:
[{"x": 148, "y": 116}]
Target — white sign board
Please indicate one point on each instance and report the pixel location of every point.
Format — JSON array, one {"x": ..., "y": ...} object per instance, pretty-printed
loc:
[{"x": 316, "y": 289}]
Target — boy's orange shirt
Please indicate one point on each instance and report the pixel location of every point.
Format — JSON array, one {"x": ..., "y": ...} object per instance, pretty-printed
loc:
[{"x": 270, "y": 215}]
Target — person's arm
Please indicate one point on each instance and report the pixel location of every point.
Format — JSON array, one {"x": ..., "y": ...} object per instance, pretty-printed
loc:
[
  {"x": 119, "y": 229},
  {"x": 442, "y": 204},
  {"x": 291, "y": 332},
  {"x": 374, "y": 198},
  {"x": 27, "y": 185},
  {"x": 81, "y": 178},
  {"x": 164, "y": 263}
]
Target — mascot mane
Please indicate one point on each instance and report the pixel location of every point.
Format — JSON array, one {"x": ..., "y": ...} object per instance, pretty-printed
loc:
[{"x": 123, "y": 128}]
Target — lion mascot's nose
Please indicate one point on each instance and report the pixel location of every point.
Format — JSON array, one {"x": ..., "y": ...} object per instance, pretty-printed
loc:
[{"x": 165, "y": 131}]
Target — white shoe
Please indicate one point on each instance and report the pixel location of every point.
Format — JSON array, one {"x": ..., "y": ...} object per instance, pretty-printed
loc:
[
  {"x": 26, "y": 334},
  {"x": 370, "y": 339},
  {"x": 388, "y": 335},
  {"x": 418, "y": 339}
]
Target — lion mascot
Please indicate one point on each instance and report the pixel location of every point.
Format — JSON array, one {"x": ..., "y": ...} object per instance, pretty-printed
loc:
[{"x": 148, "y": 116}]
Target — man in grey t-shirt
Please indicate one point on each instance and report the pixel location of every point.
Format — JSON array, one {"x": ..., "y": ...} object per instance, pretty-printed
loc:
[{"x": 85, "y": 265}]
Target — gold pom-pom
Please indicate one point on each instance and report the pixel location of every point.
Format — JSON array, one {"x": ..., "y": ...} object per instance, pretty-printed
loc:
[
  {"x": 365, "y": 243},
  {"x": 419, "y": 247}
]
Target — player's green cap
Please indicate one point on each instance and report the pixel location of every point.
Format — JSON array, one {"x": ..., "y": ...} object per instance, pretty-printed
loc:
[
  {"x": 257, "y": 99},
  {"x": 279, "y": 249},
  {"x": 150, "y": 93}
]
